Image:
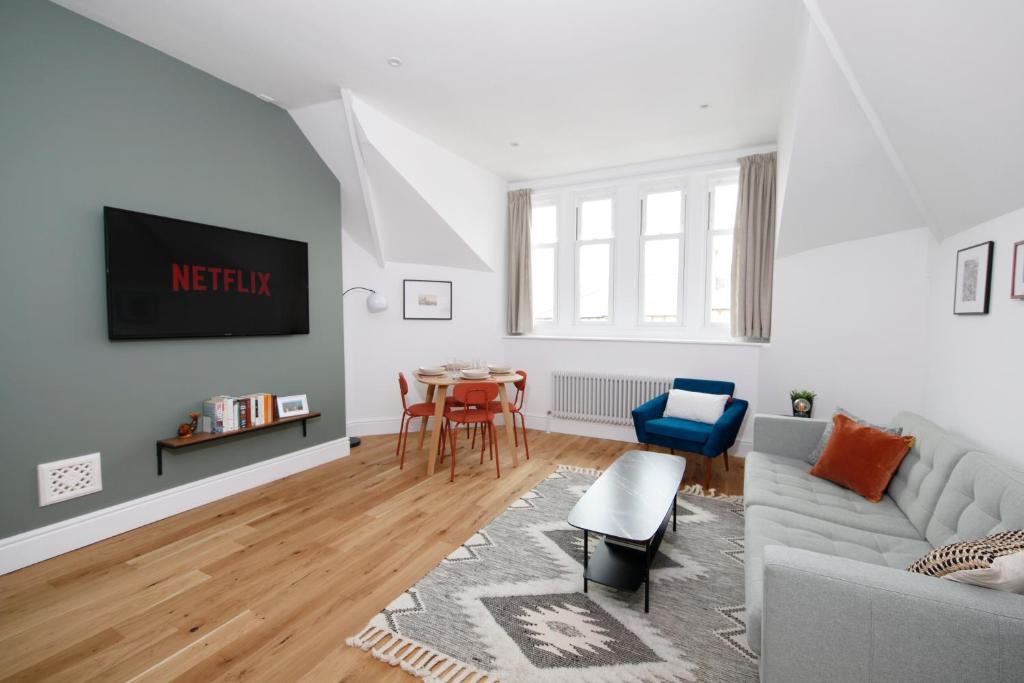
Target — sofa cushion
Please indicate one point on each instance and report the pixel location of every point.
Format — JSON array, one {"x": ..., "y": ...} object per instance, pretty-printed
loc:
[
  {"x": 984, "y": 495},
  {"x": 861, "y": 458},
  {"x": 686, "y": 430},
  {"x": 771, "y": 526},
  {"x": 925, "y": 470},
  {"x": 781, "y": 482}
]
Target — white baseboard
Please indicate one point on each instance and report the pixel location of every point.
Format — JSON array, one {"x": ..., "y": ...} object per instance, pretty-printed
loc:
[
  {"x": 56, "y": 539},
  {"x": 383, "y": 425}
]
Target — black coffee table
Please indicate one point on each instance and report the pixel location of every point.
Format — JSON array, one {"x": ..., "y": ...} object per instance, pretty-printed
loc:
[{"x": 630, "y": 505}]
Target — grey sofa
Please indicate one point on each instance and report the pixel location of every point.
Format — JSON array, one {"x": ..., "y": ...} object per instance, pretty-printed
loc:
[{"x": 828, "y": 597}]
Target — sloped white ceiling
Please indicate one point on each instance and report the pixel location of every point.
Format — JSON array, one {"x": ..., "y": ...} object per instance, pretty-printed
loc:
[
  {"x": 945, "y": 81},
  {"x": 580, "y": 84},
  {"x": 411, "y": 230},
  {"x": 326, "y": 127},
  {"x": 405, "y": 199},
  {"x": 836, "y": 181}
]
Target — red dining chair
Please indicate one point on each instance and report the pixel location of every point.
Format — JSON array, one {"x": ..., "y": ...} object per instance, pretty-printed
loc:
[
  {"x": 409, "y": 413},
  {"x": 471, "y": 409},
  {"x": 515, "y": 407}
]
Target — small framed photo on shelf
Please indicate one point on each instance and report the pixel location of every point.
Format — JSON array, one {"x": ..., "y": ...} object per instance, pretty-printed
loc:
[
  {"x": 973, "y": 279},
  {"x": 427, "y": 300},
  {"x": 292, "y": 406},
  {"x": 1017, "y": 290}
]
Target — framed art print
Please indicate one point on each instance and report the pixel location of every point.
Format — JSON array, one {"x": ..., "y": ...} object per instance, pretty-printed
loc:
[
  {"x": 1017, "y": 290},
  {"x": 973, "y": 279},
  {"x": 427, "y": 300}
]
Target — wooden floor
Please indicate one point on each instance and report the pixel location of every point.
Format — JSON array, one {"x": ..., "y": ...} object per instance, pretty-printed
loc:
[{"x": 267, "y": 584}]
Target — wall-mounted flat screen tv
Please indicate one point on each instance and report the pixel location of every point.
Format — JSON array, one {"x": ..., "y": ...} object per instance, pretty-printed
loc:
[{"x": 173, "y": 278}]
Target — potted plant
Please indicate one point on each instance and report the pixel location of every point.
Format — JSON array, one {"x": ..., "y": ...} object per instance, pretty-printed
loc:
[{"x": 803, "y": 402}]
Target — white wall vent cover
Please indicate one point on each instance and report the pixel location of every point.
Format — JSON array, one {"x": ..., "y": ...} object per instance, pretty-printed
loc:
[{"x": 71, "y": 478}]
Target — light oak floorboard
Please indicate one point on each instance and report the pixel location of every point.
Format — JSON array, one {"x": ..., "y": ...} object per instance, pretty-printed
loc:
[{"x": 267, "y": 584}]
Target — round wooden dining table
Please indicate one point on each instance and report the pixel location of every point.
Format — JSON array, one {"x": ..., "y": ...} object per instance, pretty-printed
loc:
[{"x": 437, "y": 391}]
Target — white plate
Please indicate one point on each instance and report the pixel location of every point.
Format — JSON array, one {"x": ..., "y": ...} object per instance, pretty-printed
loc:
[
  {"x": 431, "y": 371},
  {"x": 500, "y": 369},
  {"x": 476, "y": 373}
]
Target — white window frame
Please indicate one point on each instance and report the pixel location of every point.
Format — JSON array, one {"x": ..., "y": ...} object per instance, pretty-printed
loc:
[
  {"x": 543, "y": 201},
  {"x": 721, "y": 178},
  {"x": 579, "y": 199},
  {"x": 645, "y": 190}
]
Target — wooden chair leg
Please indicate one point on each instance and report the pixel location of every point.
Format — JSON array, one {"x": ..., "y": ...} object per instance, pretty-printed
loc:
[
  {"x": 494, "y": 445},
  {"x": 672, "y": 451},
  {"x": 525, "y": 444},
  {"x": 403, "y": 442},
  {"x": 725, "y": 455},
  {"x": 647, "y": 446},
  {"x": 453, "y": 434},
  {"x": 707, "y": 474},
  {"x": 401, "y": 430}
]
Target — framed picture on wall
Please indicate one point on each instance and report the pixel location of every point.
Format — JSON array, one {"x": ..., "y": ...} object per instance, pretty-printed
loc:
[
  {"x": 973, "y": 279},
  {"x": 427, "y": 300},
  {"x": 1017, "y": 290}
]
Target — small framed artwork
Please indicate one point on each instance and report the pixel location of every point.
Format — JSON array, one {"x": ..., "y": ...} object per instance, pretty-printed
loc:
[
  {"x": 427, "y": 300},
  {"x": 1017, "y": 290},
  {"x": 973, "y": 279},
  {"x": 292, "y": 406}
]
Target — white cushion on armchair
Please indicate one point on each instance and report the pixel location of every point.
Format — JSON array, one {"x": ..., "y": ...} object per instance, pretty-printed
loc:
[{"x": 696, "y": 406}]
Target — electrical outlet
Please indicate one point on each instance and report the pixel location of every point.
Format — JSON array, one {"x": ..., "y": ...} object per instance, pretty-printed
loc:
[{"x": 66, "y": 479}]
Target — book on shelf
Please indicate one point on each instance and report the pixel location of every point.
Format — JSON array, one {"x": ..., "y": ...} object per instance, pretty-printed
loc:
[{"x": 231, "y": 413}]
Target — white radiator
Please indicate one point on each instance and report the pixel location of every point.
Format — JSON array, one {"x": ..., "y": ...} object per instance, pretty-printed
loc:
[{"x": 602, "y": 398}]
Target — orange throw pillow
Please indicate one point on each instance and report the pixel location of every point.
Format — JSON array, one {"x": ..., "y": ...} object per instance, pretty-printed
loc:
[{"x": 861, "y": 458}]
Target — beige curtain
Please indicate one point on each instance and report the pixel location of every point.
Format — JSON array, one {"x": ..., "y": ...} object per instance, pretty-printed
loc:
[
  {"x": 520, "y": 288},
  {"x": 753, "y": 251}
]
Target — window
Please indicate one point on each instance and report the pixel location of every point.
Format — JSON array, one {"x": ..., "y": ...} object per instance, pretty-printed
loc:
[
  {"x": 638, "y": 256},
  {"x": 722, "y": 198},
  {"x": 544, "y": 243},
  {"x": 661, "y": 231},
  {"x": 594, "y": 240}
]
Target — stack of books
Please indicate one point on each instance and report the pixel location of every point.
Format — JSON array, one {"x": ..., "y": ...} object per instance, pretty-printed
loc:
[{"x": 231, "y": 413}]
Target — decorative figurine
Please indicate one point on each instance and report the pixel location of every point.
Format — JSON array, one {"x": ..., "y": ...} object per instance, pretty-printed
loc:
[{"x": 187, "y": 429}]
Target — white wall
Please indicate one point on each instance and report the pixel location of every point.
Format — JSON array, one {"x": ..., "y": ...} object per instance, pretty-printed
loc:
[
  {"x": 540, "y": 357},
  {"x": 976, "y": 362},
  {"x": 380, "y": 345},
  {"x": 850, "y": 322}
]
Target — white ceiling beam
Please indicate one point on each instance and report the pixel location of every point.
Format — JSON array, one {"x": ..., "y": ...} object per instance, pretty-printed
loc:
[{"x": 364, "y": 179}]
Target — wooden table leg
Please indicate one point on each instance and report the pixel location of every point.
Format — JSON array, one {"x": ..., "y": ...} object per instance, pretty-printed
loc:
[
  {"x": 423, "y": 422},
  {"x": 510, "y": 428},
  {"x": 435, "y": 434}
]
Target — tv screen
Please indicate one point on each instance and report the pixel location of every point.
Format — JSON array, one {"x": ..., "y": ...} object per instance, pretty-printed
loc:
[{"x": 173, "y": 278}]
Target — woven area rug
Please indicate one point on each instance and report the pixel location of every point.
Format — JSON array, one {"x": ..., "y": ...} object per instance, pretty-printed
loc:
[{"x": 508, "y": 605}]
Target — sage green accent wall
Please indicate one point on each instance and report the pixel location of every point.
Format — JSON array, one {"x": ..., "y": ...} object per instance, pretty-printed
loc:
[{"x": 89, "y": 117}]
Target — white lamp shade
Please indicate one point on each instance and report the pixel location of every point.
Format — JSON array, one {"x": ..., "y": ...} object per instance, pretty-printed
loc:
[{"x": 376, "y": 302}]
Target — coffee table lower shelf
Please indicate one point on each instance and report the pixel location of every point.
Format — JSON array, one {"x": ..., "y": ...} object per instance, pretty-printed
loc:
[{"x": 617, "y": 566}]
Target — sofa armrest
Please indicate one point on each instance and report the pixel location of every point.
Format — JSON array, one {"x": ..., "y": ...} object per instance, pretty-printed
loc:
[
  {"x": 727, "y": 428},
  {"x": 842, "y": 620},
  {"x": 651, "y": 410},
  {"x": 792, "y": 436}
]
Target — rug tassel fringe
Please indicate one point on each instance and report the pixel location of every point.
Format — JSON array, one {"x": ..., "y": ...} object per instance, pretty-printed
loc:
[
  {"x": 689, "y": 489},
  {"x": 415, "y": 658}
]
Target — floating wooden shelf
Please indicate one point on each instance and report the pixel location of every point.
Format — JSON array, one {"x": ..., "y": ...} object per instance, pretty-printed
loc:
[{"x": 203, "y": 437}]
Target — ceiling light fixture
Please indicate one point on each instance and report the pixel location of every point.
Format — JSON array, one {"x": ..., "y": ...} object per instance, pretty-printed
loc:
[
  {"x": 394, "y": 61},
  {"x": 265, "y": 97}
]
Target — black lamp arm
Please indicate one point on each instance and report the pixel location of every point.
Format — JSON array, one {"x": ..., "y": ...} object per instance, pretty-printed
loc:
[{"x": 365, "y": 289}]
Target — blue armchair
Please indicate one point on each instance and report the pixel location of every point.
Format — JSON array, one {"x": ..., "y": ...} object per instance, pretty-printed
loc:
[{"x": 687, "y": 435}]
